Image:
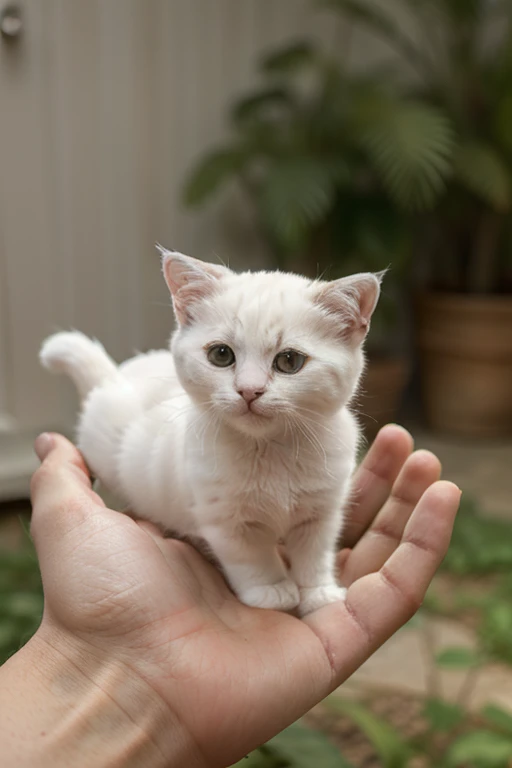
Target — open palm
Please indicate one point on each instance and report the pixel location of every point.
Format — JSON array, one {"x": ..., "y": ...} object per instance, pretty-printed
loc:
[{"x": 231, "y": 675}]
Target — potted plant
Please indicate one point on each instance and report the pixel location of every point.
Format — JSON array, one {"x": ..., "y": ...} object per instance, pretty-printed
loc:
[
  {"x": 332, "y": 164},
  {"x": 464, "y": 68}
]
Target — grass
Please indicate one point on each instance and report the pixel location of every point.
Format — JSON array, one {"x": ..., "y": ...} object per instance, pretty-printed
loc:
[
  {"x": 479, "y": 589},
  {"x": 21, "y": 597},
  {"x": 480, "y": 545}
]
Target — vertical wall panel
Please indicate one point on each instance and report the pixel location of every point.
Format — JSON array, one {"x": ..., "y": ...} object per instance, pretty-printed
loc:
[{"x": 28, "y": 232}]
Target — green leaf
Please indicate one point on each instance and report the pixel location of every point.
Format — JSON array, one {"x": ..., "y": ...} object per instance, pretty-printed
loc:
[
  {"x": 23, "y": 605},
  {"x": 302, "y": 747},
  {"x": 381, "y": 23},
  {"x": 462, "y": 10},
  {"x": 261, "y": 101},
  {"x": 481, "y": 748},
  {"x": 289, "y": 59},
  {"x": 261, "y": 758},
  {"x": 211, "y": 173},
  {"x": 498, "y": 717},
  {"x": 457, "y": 658},
  {"x": 480, "y": 168},
  {"x": 502, "y": 120},
  {"x": 392, "y": 749},
  {"x": 496, "y": 629},
  {"x": 479, "y": 544},
  {"x": 410, "y": 145},
  {"x": 442, "y": 715},
  {"x": 21, "y": 598},
  {"x": 296, "y": 195}
]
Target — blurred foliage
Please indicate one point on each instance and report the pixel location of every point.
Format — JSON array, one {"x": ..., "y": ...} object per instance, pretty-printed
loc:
[
  {"x": 338, "y": 164},
  {"x": 449, "y": 735},
  {"x": 479, "y": 544},
  {"x": 21, "y": 598},
  {"x": 459, "y": 53},
  {"x": 331, "y": 162},
  {"x": 296, "y": 747},
  {"x": 392, "y": 749},
  {"x": 313, "y": 136}
]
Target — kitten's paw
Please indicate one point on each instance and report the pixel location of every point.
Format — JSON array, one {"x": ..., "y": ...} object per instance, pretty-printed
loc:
[
  {"x": 312, "y": 598},
  {"x": 282, "y": 596}
]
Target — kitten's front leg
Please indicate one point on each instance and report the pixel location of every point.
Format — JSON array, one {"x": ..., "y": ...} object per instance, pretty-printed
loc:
[
  {"x": 249, "y": 557},
  {"x": 311, "y": 547}
]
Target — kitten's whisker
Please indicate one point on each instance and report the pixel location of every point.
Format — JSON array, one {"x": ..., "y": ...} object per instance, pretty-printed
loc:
[
  {"x": 295, "y": 443},
  {"x": 178, "y": 414},
  {"x": 310, "y": 435},
  {"x": 314, "y": 418},
  {"x": 315, "y": 423}
]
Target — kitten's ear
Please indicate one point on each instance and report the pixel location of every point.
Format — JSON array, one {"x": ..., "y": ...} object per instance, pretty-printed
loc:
[
  {"x": 351, "y": 300},
  {"x": 189, "y": 281}
]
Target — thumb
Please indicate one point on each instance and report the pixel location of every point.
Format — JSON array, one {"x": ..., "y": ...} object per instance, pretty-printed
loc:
[{"x": 61, "y": 492}]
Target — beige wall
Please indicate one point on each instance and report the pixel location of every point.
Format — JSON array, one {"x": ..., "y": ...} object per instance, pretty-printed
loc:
[{"x": 103, "y": 106}]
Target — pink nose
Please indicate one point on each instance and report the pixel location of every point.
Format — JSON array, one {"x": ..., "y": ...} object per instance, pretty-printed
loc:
[{"x": 249, "y": 394}]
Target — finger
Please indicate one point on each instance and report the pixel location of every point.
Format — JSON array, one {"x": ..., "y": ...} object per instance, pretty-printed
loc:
[
  {"x": 420, "y": 470},
  {"x": 380, "y": 603},
  {"x": 374, "y": 479},
  {"x": 60, "y": 490},
  {"x": 341, "y": 562}
]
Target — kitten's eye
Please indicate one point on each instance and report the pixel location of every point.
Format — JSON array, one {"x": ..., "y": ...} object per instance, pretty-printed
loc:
[
  {"x": 221, "y": 355},
  {"x": 289, "y": 361}
]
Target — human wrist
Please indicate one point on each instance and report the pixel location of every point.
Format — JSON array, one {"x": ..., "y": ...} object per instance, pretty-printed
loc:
[{"x": 62, "y": 704}]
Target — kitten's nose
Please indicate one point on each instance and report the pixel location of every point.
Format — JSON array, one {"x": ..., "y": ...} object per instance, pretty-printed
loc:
[{"x": 249, "y": 394}]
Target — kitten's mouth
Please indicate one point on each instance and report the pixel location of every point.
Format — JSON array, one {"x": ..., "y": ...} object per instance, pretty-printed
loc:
[
  {"x": 251, "y": 412},
  {"x": 255, "y": 415}
]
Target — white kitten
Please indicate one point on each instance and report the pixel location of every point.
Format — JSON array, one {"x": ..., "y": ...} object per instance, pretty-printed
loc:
[{"x": 241, "y": 434}]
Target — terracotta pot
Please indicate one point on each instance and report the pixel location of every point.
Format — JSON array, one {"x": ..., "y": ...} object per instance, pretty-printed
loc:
[
  {"x": 466, "y": 363},
  {"x": 381, "y": 393}
]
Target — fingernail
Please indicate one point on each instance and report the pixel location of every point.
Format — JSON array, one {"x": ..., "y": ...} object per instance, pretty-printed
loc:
[{"x": 43, "y": 445}]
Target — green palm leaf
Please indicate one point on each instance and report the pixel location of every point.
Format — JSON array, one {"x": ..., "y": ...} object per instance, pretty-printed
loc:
[
  {"x": 212, "y": 172},
  {"x": 262, "y": 102},
  {"x": 480, "y": 168},
  {"x": 290, "y": 59},
  {"x": 463, "y": 10},
  {"x": 296, "y": 194},
  {"x": 382, "y": 23},
  {"x": 409, "y": 144}
]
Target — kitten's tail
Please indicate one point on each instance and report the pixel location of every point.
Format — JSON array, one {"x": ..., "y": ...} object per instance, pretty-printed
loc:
[{"x": 82, "y": 359}]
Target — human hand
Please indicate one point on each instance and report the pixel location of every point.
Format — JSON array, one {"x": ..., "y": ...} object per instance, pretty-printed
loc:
[{"x": 229, "y": 677}]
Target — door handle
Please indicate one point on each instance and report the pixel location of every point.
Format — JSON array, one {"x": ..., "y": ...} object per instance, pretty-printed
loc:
[{"x": 11, "y": 21}]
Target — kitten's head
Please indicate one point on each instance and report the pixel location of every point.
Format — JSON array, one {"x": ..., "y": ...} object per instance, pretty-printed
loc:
[{"x": 266, "y": 351}]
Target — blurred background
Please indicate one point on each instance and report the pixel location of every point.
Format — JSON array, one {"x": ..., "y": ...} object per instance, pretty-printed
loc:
[{"x": 323, "y": 137}]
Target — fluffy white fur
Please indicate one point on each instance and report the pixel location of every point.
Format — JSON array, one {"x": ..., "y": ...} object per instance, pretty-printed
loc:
[{"x": 243, "y": 456}]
